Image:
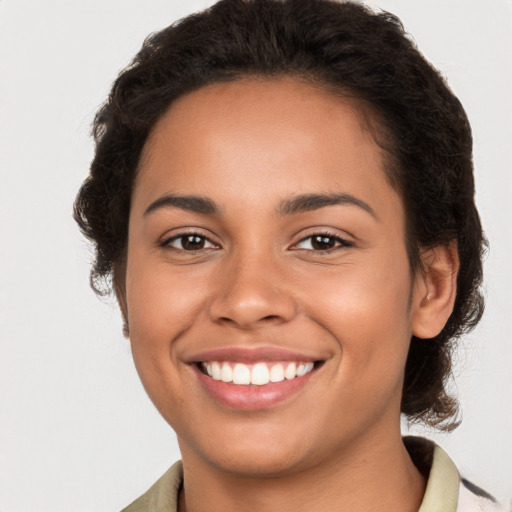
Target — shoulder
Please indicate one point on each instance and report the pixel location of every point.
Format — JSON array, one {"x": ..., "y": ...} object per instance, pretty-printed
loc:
[
  {"x": 162, "y": 496},
  {"x": 446, "y": 489}
]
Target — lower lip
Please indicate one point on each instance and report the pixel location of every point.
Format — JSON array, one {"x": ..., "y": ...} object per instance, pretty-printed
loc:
[{"x": 251, "y": 397}]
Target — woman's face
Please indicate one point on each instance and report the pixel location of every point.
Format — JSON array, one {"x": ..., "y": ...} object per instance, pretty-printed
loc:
[{"x": 265, "y": 242}]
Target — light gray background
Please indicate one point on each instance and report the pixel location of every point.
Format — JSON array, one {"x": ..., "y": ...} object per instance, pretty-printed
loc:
[{"x": 77, "y": 431}]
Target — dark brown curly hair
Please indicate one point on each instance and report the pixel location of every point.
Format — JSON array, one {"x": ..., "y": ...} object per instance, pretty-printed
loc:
[{"x": 345, "y": 48}]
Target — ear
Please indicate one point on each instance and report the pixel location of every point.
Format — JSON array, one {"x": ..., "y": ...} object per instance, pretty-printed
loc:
[
  {"x": 119, "y": 281},
  {"x": 435, "y": 290}
]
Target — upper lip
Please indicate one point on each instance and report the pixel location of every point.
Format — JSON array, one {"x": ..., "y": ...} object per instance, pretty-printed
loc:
[{"x": 251, "y": 355}]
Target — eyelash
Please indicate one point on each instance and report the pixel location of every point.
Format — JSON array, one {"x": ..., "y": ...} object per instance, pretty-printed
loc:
[
  {"x": 338, "y": 241},
  {"x": 167, "y": 243}
]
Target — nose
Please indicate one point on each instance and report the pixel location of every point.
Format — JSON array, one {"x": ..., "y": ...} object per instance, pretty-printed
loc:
[{"x": 252, "y": 292}]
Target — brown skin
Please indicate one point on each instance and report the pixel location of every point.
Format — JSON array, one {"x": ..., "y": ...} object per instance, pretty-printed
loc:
[{"x": 259, "y": 282}]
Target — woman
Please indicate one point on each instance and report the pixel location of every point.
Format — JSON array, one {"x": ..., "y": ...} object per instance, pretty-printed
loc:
[{"x": 282, "y": 194}]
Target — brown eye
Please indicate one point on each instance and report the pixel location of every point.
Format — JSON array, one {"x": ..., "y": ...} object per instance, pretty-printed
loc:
[
  {"x": 322, "y": 242},
  {"x": 192, "y": 242},
  {"x": 189, "y": 242}
]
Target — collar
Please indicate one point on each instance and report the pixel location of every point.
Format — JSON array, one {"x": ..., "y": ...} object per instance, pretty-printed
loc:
[{"x": 441, "y": 492}]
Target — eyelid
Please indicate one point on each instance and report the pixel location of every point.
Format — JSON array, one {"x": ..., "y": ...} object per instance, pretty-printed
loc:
[
  {"x": 342, "y": 242},
  {"x": 165, "y": 242}
]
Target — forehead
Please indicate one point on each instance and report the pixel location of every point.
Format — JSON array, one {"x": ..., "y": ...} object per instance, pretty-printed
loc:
[
  {"x": 244, "y": 137},
  {"x": 262, "y": 105}
]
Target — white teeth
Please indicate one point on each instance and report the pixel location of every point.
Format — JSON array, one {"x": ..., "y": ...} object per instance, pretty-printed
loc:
[
  {"x": 241, "y": 374},
  {"x": 258, "y": 374},
  {"x": 216, "y": 371},
  {"x": 226, "y": 373},
  {"x": 276, "y": 373},
  {"x": 289, "y": 373},
  {"x": 304, "y": 368},
  {"x": 301, "y": 369}
]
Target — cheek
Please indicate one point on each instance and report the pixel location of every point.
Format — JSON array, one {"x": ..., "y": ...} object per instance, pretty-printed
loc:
[
  {"x": 160, "y": 310},
  {"x": 366, "y": 308},
  {"x": 161, "y": 307}
]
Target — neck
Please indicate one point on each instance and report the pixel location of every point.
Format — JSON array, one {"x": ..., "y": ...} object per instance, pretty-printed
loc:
[{"x": 374, "y": 475}]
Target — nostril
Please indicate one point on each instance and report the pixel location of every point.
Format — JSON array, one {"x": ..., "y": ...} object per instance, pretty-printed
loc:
[
  {"x": 268, "y": 318},
  {"x": 226, "y": 320}
]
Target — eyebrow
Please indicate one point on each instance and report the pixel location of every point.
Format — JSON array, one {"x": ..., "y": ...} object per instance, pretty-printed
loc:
[
  {"x": 196, "y": 204},
  {"x": 308, "y": 202},
  {"x": 294, "y": 205}
]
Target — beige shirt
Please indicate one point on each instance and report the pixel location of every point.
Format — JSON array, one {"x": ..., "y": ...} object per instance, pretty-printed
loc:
[{"x": 446, "y": 491}]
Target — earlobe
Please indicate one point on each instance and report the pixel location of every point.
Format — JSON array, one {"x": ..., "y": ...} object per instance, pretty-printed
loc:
[
  {"x": 435, "y": 290},
  {"x": 119, "y": 281},
  {"x": 121, "y": 300}
]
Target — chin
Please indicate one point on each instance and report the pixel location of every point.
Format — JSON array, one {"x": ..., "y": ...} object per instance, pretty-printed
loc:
[
  {"x": 261, "y": 463},
  {"x": 250, "y": 452}
]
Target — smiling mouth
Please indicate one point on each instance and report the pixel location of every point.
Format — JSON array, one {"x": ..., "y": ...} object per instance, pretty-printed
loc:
[{"x": 257, "y": 374}]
